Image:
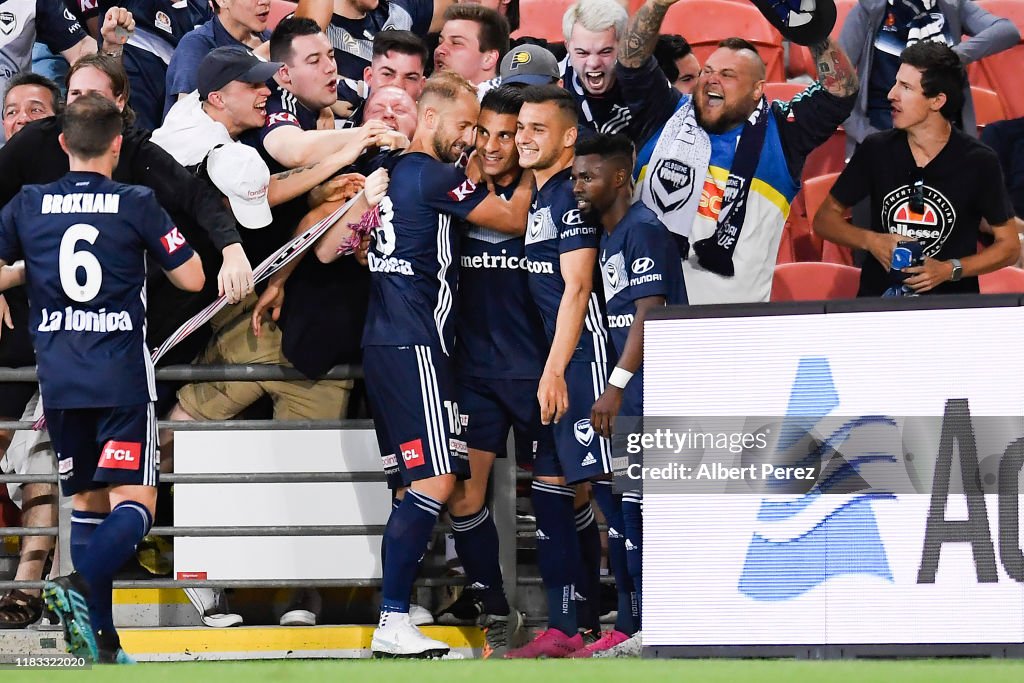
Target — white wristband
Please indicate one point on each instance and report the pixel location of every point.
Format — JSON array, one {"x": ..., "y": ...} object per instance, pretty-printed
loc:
[{"x": 620, "y": 378}]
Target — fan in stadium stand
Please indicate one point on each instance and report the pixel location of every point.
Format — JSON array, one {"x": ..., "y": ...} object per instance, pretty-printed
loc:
[{"x": 804, "y": 22}]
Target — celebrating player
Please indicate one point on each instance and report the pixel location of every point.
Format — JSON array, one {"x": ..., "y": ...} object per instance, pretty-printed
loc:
[
  {"x": 640, "y": 270},
  {"x": 84, "y": 240},
  {"x": 561, "y": 246},
  {"x": 499, "y": 355},
  {"x": 409, "y": 337}
]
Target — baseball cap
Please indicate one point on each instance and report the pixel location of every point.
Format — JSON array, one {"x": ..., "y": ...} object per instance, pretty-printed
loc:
[
  {"x": 242, "y": 176},
  {"x": 225, "y": 64},
  {"x": 529, "y": 64},
  {"x": 804, "y": 22}
]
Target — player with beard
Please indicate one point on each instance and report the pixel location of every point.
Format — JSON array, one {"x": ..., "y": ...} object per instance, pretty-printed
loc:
[
  {"x": 409, "y": 338},
  {"x": 641, "y": 271},
  {"x": 499, "y": 356},
  {"x": 561, "y": 248},
  {"x": 726, "y": 164}
]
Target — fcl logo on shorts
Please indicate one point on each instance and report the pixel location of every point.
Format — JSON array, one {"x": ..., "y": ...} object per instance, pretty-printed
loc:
[
  {"x": 121, "y": 455},
  {"x": 412, "y": 453},
  {"x": 173, "y": 241}
]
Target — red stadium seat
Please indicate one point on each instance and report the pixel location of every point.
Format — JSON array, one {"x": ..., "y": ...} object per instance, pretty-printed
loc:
[
  {"x": 814, "y": 282},
  {"x": 988, "y": 108},
  {"x": 706, "y": 22},
  {"x": 814, "y": 191},
  {"x": 801, "y": 62},
  {"x": 542, "y": 19},
  {"x": 279, "y": 9},
  {"x": 1001, "y": 72},
  {"x": 786, "y": 254},
  {"x": 1007, "y": 280},
  {"x": 829, "y": 157},
  {"x": 783, "y": 91}
]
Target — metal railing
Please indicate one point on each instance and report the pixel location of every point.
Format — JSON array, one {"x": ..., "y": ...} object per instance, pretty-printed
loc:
[{"x": 503, "y": 503}]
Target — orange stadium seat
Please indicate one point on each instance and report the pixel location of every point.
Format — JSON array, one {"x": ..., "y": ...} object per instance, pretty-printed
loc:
[
  {"x": 542, "y": 19},
  {"x": 279, "y": 9},
  {"x": 814, "y": 282},
  {"x": 988, "y": 108},
  {"x": 705, "y": 22},
  {"x": 1001, "y": 72},
  {"x": 1009, "y": 280},
  {"x": 800, "y": 60}
]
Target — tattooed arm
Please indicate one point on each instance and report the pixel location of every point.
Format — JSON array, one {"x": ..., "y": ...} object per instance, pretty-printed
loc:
[
  {"x": 641, "y": 36},
  {"x": 835, "y": 72}
]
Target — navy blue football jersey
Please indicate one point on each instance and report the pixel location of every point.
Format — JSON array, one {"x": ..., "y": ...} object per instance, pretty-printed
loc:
[
  {"x": 159, "y": 24},
  {"x": 412, "y": 257},
  {"x": 639, "y": 259},
  {"x": 353, "y": 38},
  {"x": 499, "y": 334},
  {"x": 84, "y": 239},
  {"x": 555, "y": 227}
]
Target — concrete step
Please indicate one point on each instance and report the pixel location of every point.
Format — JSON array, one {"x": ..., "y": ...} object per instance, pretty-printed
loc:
[{"x": 243, "y": 642}]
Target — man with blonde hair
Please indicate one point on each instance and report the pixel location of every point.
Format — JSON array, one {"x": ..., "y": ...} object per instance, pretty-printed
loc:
[{"x": 409, "y": 338}]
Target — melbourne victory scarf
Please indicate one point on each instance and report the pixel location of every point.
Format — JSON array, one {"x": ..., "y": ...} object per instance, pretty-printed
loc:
[{"x": 675, "y": 175}]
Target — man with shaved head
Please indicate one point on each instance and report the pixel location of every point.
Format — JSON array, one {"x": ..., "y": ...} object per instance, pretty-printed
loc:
[{"x": 726, "y": 165}]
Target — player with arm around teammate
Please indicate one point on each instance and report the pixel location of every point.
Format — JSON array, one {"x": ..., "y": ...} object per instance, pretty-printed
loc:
[
  {"x": 84, "y": 239},
  {"x": 409, "y": 338}
]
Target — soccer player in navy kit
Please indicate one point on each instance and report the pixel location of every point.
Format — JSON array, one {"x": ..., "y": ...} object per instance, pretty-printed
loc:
[
  {"x": 561, "y": 246},
  {"x": 499, "y": 354},
  {"x": 84, "y": 240},
  {"x": 640, "y": 270},
  {"x": 409, "y": 338}
]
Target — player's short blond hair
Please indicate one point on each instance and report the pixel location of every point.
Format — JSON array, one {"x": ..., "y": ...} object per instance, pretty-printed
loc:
[{"x": 445, "y": 85}]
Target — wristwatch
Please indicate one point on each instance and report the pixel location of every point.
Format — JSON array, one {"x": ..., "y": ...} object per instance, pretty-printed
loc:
[{"x": 958, "y": 270}]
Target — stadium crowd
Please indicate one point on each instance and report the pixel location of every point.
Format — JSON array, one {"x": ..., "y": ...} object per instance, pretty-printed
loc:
[{"x": 492, "y": 215}]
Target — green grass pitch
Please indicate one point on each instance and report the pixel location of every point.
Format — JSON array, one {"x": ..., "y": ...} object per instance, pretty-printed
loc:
[{"x": 588, "y": 671}]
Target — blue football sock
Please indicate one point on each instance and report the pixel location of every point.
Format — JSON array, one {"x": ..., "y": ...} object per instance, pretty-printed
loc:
[
  {"x": 633, "y": 520},
  {"x": 112, "y": 544},
  {"x": 476, "y": 542},
  {"x": 588, "y": 577},
  {"x": 611, "y": 507},
  {"x": 405, "y": 539},
  {"x": 395, "y": 504},
  {"x": 83, "y": 524},
  {"x": 557, "y": 552}
]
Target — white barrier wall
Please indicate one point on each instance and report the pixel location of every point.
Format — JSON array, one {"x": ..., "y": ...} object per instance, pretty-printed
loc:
[
  {"x": 756, "y": 569},
  {"x": 293, "y": 557}
]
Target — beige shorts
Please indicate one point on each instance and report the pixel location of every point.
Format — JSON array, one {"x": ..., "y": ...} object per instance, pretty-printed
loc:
[
  {"x": 234, "y": 343},
  {"x": 30, "y": 451}
]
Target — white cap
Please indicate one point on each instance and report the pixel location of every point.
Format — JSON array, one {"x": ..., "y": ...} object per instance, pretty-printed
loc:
[{"x": 242, "y": 176}]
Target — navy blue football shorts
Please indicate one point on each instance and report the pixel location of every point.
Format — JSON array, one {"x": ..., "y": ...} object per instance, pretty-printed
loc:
[
  {"x": 420, "y": 431},
  {"x": 581, "y": 453},
  {"x": 100, "y": 447},
  {"x": 493, "y": 406}
]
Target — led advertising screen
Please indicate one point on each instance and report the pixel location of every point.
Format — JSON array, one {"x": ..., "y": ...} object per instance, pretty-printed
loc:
[{"x": 832, "y": 480}]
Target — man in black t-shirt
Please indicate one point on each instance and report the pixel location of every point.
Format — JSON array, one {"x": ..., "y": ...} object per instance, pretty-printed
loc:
[{"x": 927, "y": 181}]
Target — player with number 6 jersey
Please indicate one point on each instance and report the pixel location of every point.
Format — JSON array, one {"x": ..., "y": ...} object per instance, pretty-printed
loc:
[{"x": 84, "y": 240}]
